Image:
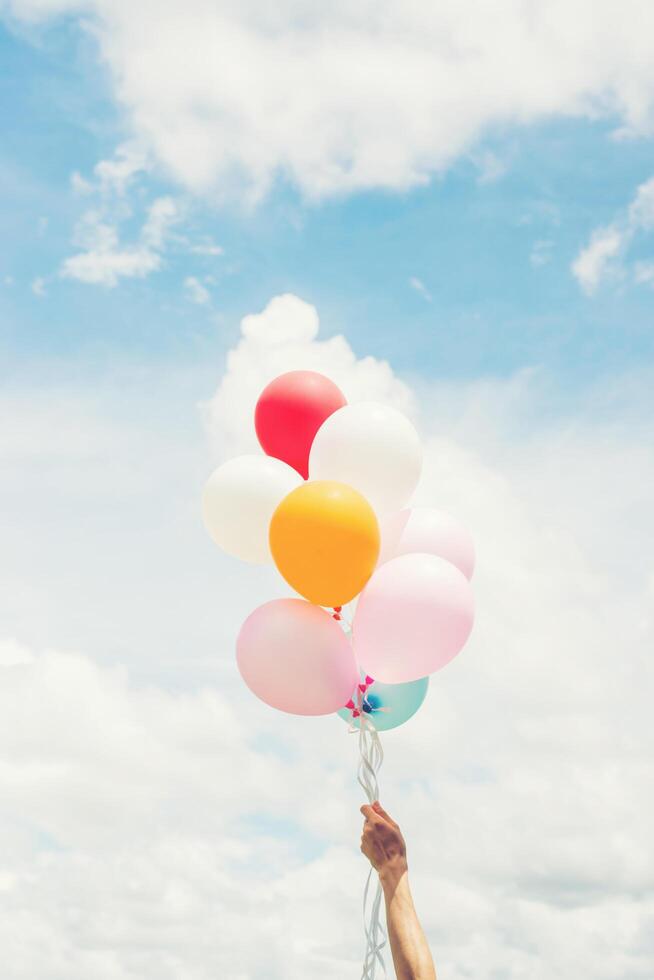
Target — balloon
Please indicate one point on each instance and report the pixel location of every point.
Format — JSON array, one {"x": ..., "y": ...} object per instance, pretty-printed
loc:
[
  {"x": 374, "y": 449},
  {"x": 324, "y": 538},
  {"x": 388, "y": 705},
  {"x": 290, "y": 411},
  {"x": 412, "y": 618},
  {"x": 296, "y": 658},
  {"x": 238, "y": 501},
  {"x": 422, "y": 529}
]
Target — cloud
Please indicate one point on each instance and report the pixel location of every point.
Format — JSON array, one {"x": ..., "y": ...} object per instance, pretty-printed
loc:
[
  {"x": 593, "y": 262},
  {"x": 196, "y": 292},
  {"x": 541, "y": 252},
  {"x": 206, "y": 247},
  {"x": 283, "y": 337},
  {"x": 641, "y": 209},
  {"x": 117, "y": 174},
  {"x": 644, "y": 272},
  {"x": 38, "y": 286},
  {"x": 104, "y": 260},
  {"x": 598, "y": 259},
  {"x": 114, "y": 175},
  {"x": 420, "y": 287},
  {"x": 390, "y": 94},
  {"x": 148, "y": 796}
]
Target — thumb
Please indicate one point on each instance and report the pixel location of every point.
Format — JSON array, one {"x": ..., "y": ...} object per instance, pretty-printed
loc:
[{"x": 378, "y": 808}]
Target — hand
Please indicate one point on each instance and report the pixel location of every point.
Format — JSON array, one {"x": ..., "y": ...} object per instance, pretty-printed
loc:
[{"x": 382, "y": 842}]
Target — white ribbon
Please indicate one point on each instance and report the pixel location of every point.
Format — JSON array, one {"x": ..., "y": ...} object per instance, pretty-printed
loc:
[{"x": 371, "y": 756}]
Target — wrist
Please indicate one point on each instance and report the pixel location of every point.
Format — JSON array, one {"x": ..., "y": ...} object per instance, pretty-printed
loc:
[{"x": 392, "y": 872}]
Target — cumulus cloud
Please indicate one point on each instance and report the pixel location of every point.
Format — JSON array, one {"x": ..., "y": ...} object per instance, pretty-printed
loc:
[
  {"x": 390, "y": 93},
  {"x": 597, "y": 260},
  {"x": 104, "y": 259},
  {"x": 134, "y": 840},
  {"x": 147, "y": 828},
  {"x": 284, "y": 337}
]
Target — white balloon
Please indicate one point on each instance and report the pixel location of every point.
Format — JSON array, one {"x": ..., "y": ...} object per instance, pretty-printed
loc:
[
  {"x": 239, "y": 500},
  {"x": 374, "y": 449},
  {"x": 423, "y": 529}
]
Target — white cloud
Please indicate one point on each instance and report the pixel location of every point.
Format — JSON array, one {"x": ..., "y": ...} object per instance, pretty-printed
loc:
[
  {"x": 38, "y": 286},
  {"x": 592, "y": 263},
  {"x": 641, "y": 209},
  {"x": 12, "y": 653},
  {"x": 115, "y": 175},
  {"x": 206, "y": 247},
  {"x": 140, "y": 810},
  {"x": 283, "y": 337},
  {"x": 196, "y": 292},
  {"x": 541, "y": 252},
  {"x": 162, "y": 214},
  {"x": 644, "y": 272},
  {"x": 420, "y": 287},
  {"x": 105, "y": 260},
  {"x": 390, "y": 93},
  {"x": 80, "y": 185},
  {"x": 597, "y": 260}
]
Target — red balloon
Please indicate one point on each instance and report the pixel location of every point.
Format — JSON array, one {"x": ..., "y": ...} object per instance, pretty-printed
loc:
[{"x": 290, "y": 411}]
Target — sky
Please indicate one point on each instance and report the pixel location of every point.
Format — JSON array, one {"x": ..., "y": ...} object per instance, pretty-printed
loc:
[{"x": 446, "y": 207}]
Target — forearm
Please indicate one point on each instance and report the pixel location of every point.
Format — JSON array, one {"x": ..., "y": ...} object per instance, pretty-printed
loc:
[{"x": 411, "y": 955}]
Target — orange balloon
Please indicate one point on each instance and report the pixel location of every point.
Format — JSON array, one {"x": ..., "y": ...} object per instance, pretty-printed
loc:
[{"x": 324, "y": 538}]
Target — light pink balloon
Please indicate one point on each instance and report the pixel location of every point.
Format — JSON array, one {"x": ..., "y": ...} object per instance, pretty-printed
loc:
[
  {"x": 296, "y": 658},
  {"x": 414, "y": 615},
  {"x": 423, "y": 529}
]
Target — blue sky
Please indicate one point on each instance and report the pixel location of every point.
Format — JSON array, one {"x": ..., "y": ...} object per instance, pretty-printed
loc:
[
  {"x": 462, "y": 194},
  {"x": 493, "y": 252}
]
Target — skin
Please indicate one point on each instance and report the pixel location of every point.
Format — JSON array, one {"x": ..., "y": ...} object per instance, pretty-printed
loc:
[{"x": 383, "y": 844}]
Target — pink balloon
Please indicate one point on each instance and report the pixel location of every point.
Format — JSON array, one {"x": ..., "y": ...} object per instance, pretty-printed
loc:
[
  {"x": 414, "y": 615},
  {"x": 296, "y": 658},
  {"x": 423, "y": 529}
]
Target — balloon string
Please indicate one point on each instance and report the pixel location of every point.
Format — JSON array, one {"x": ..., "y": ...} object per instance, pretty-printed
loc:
[{"x": 371, "y": 756}]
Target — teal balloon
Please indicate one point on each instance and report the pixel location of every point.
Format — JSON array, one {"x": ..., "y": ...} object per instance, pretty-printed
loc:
[{"x": 401, "y": 701}]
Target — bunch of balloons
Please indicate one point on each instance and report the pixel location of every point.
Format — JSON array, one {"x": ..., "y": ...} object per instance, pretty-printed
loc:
[{"x": 327, "y": 503}]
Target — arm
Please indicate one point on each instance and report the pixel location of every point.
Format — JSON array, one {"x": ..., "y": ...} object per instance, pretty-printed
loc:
[{"x": 383, "y": 844}]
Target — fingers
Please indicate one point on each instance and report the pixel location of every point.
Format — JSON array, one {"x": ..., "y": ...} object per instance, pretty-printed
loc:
[{"x": 378, "y": 808}]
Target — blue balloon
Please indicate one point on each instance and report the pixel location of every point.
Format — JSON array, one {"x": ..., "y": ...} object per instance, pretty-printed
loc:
[{"x": 388, "y": 705}]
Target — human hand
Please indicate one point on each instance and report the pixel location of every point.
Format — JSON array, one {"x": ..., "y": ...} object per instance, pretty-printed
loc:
[{"x": 382, "y": 842}]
